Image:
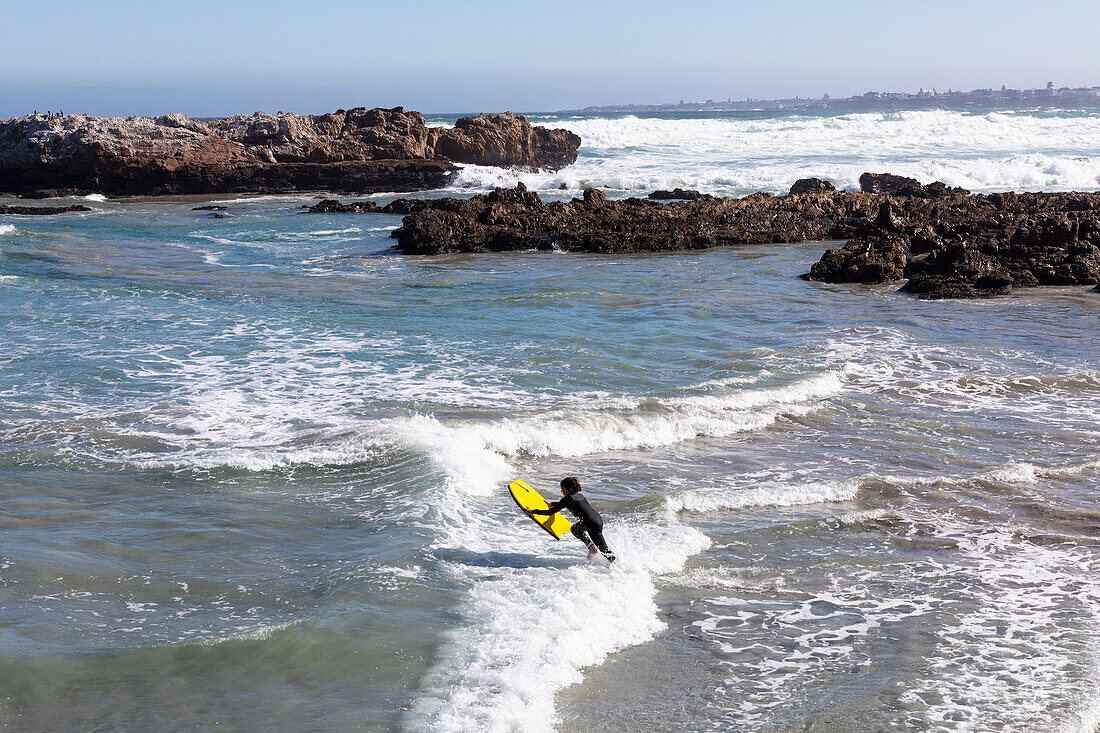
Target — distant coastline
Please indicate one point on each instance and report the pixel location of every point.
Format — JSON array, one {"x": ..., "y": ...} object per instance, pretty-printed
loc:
[{"x": 874, "y": 101}]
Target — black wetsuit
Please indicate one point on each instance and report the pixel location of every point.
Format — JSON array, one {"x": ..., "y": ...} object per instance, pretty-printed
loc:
[{"x": 590, "y": 521}]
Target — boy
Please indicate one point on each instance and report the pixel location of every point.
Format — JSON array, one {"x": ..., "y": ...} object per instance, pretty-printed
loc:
[{"x": 590, "y": 519}]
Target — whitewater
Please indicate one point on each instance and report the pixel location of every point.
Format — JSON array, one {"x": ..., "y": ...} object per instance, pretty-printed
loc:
[
  {"x": 253, "y": 469},
  {"x": 735, "y": 154}
]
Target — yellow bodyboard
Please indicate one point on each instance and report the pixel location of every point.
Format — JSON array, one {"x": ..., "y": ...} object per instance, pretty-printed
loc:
[{"x": 528, "y": 498}]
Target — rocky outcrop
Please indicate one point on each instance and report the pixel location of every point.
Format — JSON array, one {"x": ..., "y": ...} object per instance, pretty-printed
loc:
[
  {"x": 397, "y": 206},
  {"x": 509, "y": 219},
  {"x": 357, "y": 150},
  {"x": 885, "y": 183},
  {"x": 503, "y": 140},
  {"x": 958, "y": 245},
  {"x": 943, "y": 241},
  {"x": 810, "y": 185}
]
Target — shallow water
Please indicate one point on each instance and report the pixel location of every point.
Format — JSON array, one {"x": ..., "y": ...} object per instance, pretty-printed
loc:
[{"x": 252, "y": 476}]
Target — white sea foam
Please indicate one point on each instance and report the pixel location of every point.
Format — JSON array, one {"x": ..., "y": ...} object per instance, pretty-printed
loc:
[
  {"x": 95, "y": 197},
  {"x": 328, "y": 232},
  {"x": 769, "y": 493},
  {"x": 995, "y": 151},
  {"x": 1012, "y": 623},
  {"x": 293, "y": 401},
  {"x": 531, "y": 631},
  {"x": 7, "y": 229},
  {"x": 289, "y": 197},
  {"x": 1014, "y": 473},
  {"x": 477, "y": 452},
  {"x": 1012, "y": 645}
]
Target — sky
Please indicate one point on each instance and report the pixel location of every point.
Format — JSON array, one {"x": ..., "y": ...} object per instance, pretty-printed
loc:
[{"x": 218, "y": 58}]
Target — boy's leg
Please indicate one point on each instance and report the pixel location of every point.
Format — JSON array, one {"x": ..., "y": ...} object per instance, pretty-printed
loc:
[
  {"x": 577, "y": 530},
  {"x": 600, "y": 542}
]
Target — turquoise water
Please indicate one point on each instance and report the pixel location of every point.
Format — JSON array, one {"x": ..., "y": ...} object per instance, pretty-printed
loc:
[{"x": 252, "y": 477}]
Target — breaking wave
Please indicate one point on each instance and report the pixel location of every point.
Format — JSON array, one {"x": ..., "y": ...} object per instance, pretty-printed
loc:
[{"x": 996, "y": 151}]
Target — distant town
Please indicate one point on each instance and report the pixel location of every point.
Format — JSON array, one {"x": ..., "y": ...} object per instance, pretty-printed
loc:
[{"x": 1003, "y": 98}]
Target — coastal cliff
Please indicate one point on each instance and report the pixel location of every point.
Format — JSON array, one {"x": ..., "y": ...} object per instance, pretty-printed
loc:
[
  {"x": 357, "y": 151},
  {"x": 944, "y": 241}
]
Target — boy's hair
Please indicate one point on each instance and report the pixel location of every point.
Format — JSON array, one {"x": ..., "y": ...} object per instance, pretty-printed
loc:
[{"x": 571, "y": 485}]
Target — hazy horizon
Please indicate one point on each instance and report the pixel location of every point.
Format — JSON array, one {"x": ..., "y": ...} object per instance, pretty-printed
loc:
[{"x": 206, "y": 60}]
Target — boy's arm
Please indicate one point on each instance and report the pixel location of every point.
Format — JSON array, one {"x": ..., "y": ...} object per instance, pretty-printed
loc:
[{"x": 552, "y": 509}]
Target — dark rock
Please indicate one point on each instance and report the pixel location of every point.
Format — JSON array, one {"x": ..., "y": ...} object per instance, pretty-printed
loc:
[
  {"x": 877, "y": 260},
  {"x": 950, "y": 244},
  {"x": 594, "y": 197},
  {"x": 938, "y": 287},
  {"x": 221, "y": 216},
  {"x": 518, "y": 218},
  {"x": 50, "y": 193},
  {"x": 994, "y": 281},
  {"x": 332, "y": 206},
  {"x": 810, "y": 185},
  {"x": 886, "y": 183},
  {"x": 987, "y": 243},
  {"x": 885, "y": 220},
  {"x": 210, "y": 207},
  {"x": 41, "y": 210},
  {"x": 405, "y": 206},
  {"x": 678, "y": 194},
  {"x": 939, "y": 189}
]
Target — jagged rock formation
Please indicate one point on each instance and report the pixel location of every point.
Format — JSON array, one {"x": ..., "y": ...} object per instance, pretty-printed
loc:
[
  {"x": 946, "y": 242},
  {"x": 503, "y": 140},
  {"x": 885, "y": 183},
  {"x": 509, "y": 219},
  {"x": 810, "y": 185},
  {"x": 357, "y": 150},
  {"x": 958, "y": 245}
]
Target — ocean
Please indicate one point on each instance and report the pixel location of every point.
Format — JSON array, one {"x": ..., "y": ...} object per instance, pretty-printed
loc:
[{"x": 253, "y": 469}]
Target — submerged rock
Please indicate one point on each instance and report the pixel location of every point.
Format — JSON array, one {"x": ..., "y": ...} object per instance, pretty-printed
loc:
[
  {"x": 41, "y": 210},
  {"x": 332, "y": 206},
  {"x": 359, "y": 150}
]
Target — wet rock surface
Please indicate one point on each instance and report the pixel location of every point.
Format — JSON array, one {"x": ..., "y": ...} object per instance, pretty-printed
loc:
[
  {"x": 944, "y": 241},
  {"x": 510, "y": 219},
  {"x": 678, "y": 194},
  {"x": 41, "y": 210},
  {"x": 958, "y": 245},
  {"x": 358, "y": 150}
]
